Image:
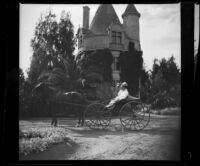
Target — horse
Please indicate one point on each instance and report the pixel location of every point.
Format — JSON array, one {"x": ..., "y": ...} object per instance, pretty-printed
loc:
[{"x": 56, "y": 98}]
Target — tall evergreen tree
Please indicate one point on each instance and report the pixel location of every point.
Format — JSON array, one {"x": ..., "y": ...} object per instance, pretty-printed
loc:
[{"x": 52, "y": 41}]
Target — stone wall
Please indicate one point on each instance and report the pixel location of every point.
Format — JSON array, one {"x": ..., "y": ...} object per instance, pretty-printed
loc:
[
  {"x": 131, "y": 26},
  {"x": 96, "y": 42}
]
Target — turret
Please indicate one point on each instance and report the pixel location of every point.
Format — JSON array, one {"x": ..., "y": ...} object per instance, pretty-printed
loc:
[
  {"x": 131, "y": 22},
  {"x": 86, "y": 13}
]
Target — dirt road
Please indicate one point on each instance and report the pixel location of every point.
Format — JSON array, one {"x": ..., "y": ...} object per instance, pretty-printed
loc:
[{"x": 158, "y": 141}]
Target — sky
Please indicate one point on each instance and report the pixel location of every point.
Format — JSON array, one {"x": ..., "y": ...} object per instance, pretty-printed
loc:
[{"x": 159, "y": 28}]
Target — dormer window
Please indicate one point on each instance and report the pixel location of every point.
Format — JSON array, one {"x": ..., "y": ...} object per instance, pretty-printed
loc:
[{"x": 116, "y": 37}]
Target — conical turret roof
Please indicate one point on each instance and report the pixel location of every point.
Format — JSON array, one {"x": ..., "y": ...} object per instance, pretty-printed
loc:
[
  {"x": 104, "y": 16},
  {"x": 131, "y": 9}
]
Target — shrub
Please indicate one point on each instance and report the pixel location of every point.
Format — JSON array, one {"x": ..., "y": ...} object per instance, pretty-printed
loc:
[
  {"x": 167, "y": 111},
  {"x": 171, "y": 111},
  {"x": 163, "y": 100}
]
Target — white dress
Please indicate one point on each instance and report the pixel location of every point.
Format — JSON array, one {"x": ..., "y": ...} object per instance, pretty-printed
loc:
[{"x": 122, "y": 94}]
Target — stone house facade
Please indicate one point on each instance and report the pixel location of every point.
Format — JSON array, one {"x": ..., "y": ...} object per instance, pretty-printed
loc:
[{"x": 107, "y": 32}]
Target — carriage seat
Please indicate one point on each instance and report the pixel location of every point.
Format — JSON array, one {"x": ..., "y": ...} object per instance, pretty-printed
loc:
[{"x": 132, "y": 98}]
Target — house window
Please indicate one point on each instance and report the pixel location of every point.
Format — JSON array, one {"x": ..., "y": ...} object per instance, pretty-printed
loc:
[
  {"x": 119, "y": 37},
  {"x": 116, "y": 37}
]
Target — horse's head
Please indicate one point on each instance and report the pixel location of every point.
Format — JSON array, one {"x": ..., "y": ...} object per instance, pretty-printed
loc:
[
  {"x": 42, "y": 89},
  {"x": 38, "y": 88}
]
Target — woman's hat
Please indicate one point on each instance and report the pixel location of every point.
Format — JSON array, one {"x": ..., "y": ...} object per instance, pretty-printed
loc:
[{"x": 124, "y": 84}]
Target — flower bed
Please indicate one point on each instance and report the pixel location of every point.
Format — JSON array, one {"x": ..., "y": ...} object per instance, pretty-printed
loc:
[{"x": 39, "y": 139}]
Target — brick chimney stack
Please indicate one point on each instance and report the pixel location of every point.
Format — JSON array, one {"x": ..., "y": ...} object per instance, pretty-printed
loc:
[{"x": 86, "y": 12}]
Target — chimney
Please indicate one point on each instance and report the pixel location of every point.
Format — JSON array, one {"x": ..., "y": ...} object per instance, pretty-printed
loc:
[{"x": 86, "y": 12}]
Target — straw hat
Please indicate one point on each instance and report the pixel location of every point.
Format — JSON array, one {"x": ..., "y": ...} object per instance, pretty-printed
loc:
[{"x": 124, "y": 84}]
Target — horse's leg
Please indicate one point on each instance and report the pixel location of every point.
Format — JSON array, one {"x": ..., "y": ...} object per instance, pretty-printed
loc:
[
  {"x": 52, "y": 121},
  {"x": 52, "y": 114},
  {"x": 55, "y": 124},
  {"x": 79, "y": 118},
  {"x": 54, "y": 118},
  {"x": 82, "y": 117},
  {"x": 59, "y": 106}
]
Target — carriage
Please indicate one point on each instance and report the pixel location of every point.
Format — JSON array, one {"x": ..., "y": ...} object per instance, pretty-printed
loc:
[{"x": 133, "y": 114}]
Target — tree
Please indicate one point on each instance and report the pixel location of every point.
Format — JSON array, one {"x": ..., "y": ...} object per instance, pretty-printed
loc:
[
  {"x": 24, "y": 94},
  {"x": 145, "y": 85},
  {"x": 21, "y": 78},
  {"x": 52, "y": 40},
  {"x": 66, "y": 77},
  {"x": 165, "y": 78},
  {"x": 66, "y": 35},
  {"x": 95, "y": 67},
  {"x": 168, "y": 69},
  {"x": 52, "y": 60},
  {"x": 131, "y": 63}
]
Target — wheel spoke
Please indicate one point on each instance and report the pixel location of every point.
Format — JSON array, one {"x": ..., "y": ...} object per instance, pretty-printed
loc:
[
  {"x": 134, "y": 113},
  {"x": 97, "y": 114}
]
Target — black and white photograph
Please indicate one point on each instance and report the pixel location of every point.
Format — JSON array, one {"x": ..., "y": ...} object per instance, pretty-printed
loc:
[{"x": 100, "y": 81}]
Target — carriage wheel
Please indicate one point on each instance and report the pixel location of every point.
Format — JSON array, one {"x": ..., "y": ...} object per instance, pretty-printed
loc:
[
  {"x": 97, "y": 116},
  {"x": 134, "y": 115},
  {"x": 104, "y": 118}
]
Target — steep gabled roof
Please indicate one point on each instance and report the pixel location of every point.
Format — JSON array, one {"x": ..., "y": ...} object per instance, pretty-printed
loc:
[
  {"x": 104, "y": 16},
  {"x": 131, "y": 9}
]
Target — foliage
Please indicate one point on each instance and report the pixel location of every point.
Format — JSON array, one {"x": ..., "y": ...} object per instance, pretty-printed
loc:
[
  {"x": 99, "y": 62},
  {"x": 24, "y": 94},
  {"x": 162, "y": 86},
  {"x": 52, "y": 61},
  {"x": 66, "y": 35},
  {"x": 39, "y": 139},
  {"x": 163, "y": 100},
  {"x": 21, "y": 78},
  {"x": 95, "y": 67},
  {"x": 131, "y": 67},
  {"x": 29, "y": 104},
  {"x": 51, "y": 41},
  {"x": 145, "y": 89},
  {"x": 167, "y": 111},
  {"x": 104, "y": 92},
  {"x": 63, "y": 77},
  {"x": 167, "y": 71}
]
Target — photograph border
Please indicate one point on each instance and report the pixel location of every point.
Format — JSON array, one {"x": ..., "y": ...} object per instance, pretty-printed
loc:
[{"x": 10, "y": 116}]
